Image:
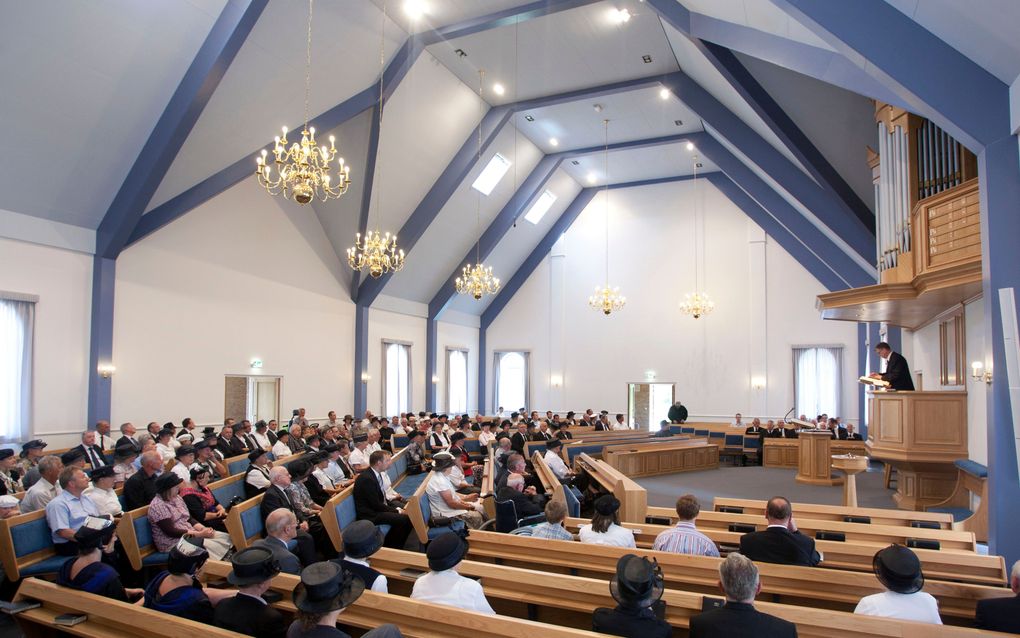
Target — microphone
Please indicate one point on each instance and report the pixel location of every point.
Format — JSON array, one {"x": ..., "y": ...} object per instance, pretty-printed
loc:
[{"x": 787, "y": 416}]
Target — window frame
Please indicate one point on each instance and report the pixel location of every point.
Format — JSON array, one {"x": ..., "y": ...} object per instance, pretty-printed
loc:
[
  {"x": 497, "y": 356},
  {"x": 467, "y": 381},
  {"x": 386, "y": 343},
  {"x": 840, "y": 380}
]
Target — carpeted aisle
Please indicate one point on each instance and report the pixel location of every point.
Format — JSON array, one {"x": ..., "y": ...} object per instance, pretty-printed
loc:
[{"x": 761, "y": 483}]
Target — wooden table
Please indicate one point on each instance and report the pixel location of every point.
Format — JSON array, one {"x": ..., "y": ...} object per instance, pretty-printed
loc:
[
  {"x": 852, "y": 465},
  {"x": 649, "y": 459}
]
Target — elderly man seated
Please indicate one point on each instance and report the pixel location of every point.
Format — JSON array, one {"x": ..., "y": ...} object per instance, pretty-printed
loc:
[
  {"x": 68, "y": 511},
  {"x": 526, "y": 500}
]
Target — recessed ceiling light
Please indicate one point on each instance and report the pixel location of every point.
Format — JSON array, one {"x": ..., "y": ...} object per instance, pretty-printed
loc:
[
  {"x": 619, "y": 16},
  {"x": 553, "y": 141},
  {"x": 592, "y": 178},
  {"x": 664, "y": 93},
  {"x": 647, "y": 59},
  {"x": 699, "y": 165},
  {"x": 414, "y": 8},
  {"x": 530, "y": 118},
  {"x": 690, "y": 146},
  {"x": 498, "y": 89}
]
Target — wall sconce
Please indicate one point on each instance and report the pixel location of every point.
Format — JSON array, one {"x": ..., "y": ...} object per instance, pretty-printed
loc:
[
  {"x": 556, "y": 380},
  {"x": 106, "y": 370},
  {"x": 758, "y": 383},
  {"x": 435, "y": 378},
  {"x": 978, "y": 372},
  {"x": 365, "y": 378}
]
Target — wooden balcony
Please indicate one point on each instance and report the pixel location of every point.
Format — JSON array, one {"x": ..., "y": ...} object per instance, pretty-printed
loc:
[{"x": 942, "y": 270}]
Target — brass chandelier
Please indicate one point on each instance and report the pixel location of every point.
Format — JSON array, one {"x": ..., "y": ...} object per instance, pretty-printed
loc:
[
  {"x": 303, "y": 169},
  {"x": 607, "y": 299},
  {"x": 377, "y": 253},
  {"x": 477, "y": 280},
  {"x": 697, "y": 304}
]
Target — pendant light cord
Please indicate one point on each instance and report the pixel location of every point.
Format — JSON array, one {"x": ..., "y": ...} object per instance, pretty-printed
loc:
[
  {"x": 605, "y": 124},
  {"x": 376, "y": 191},
  {"x": 308, "y": 61},
  {"x": 478, "y": 160}
]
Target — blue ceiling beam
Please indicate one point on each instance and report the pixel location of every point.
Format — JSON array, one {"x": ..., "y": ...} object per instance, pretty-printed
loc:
[
  {"x": 927, "y": 73},
  {"x": 504, "y": 18},
  {"x": 849, "y": 270},
  {"x": 208, "y": 67}
]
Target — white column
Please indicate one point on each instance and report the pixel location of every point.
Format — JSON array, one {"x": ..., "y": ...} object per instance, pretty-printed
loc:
[{"x": 757, "y": 320}]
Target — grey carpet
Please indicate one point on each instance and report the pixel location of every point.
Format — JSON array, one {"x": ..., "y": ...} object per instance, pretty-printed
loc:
[{"x": 762, "y": 483}]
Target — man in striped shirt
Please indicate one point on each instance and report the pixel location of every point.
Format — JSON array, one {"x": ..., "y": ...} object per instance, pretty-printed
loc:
[{"x": 683, "y": 538}]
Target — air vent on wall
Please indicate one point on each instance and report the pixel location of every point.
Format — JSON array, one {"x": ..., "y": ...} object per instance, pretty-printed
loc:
[
  {"x": 530, "y": 118},
  {"x": 647, "y": 59},
  {"x": 575, "y": 162},
  {"x": 678, "y": 122}
]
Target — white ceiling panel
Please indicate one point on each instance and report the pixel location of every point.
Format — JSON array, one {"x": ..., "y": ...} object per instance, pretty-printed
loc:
[
  {"x": 634, "y": 115},
  {"x": 561, "y": 52},
  {"x": 985, "y": 31},
  {"x": 264, "y": 88},
  {"x": 442, "y": 13},
  {"x": 88, "y": 80},
  {"x": 637, "y": 164},
  {"x": 761, "y": 15},
  {"x": 518, "y": 242},
  {"x": 455, "y": 230}
]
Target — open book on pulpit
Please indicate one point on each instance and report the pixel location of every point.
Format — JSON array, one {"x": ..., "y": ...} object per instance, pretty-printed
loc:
[{"x": 878, "y": 383}]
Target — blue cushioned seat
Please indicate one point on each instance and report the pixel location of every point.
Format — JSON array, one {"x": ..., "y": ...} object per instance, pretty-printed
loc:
[
  {"x": 426, "y": 512},
  {"x": 251, "y": 522},
  {"x": 471, "y": 446},
  {"x": 958, "y": 513},
  {"x": 972, "y": 467},
  {"x": 30, "y": 537},
  {"x": 676, "y": 429},
  {"x": 398, "y": 441},
  {"x": 686, "y": 430},
  {"x": 237, "y": 466},
  {"x": 701, "y": 433},
  {"x": 226, "y": 493},
  {"x": 716, "y": 435},
  {"x": 155, "y": 558},
  {"x": 345, "y": 511},
  {"x": 410, "y": 483},
  {"x": 49, "y": 565},
  {"x": 573, "y": 497},
  {"x": 734, "y": 440}
]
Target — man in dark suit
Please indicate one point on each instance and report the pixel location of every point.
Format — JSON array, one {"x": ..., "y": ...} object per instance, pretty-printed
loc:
[
  {"x": 780, "y": 542},
  {"x": 229, "y": 444},
  {"x": 128, "y": 438},
  {"x": 281, "y": 529},
  {"x": 1002, "y": 614},
  {"x": 247, "y": 612},
  {"x": 738, "y": 579},
  {"x": 897, "y": 372},
  {"x": 848, "y": 434},
  {"x": 520, "y": 438},
  {"x": 526, "y": 500},
  {"x": 275, "y": 497},
  {"x": 92, "y": 452},
  {"x": 370, "y": 502}
]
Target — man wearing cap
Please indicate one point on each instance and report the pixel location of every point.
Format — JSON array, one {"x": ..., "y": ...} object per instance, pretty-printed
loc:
[
  {"x": 185, "y": 459},
  {"x": 68, "y": 510},
  {"x": 443, "y": 585},
  {"x": 738, "y": 579},
  {"x": 899, "y": 570},
  {"x": 124, "y": 463},
  {"x": 370, "y": 502},
  {"x": 256, "y": 477},
  {"x": 29, "y": 457},
  {"x": 780, "y": 542},
  {"x": 9, "y": 483},
  {"x": 252, "y": 572},
  {"x": 46, "y": 488},
  {"x": 555, "y": 462},
  {"x": 101, "y": 492},
  {"x": 140, "y": 489},
  {"x": 361, "y": 540},
  {"x": 636, "y": 587},
  {"x": 9, "y": 506},
  {"x": 127, "y": 431},
  {"x": 359, "y": 455},
  {"x": 73, "y": 457}
]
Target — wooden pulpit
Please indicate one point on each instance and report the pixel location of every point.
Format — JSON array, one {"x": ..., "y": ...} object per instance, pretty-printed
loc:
[{"x": 815, "y": 463}]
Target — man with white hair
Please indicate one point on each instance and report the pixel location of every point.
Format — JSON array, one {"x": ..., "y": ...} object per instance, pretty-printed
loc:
[
  {"x": 93, "y": 453},
  {"x": 1002, "y": 614},
  {"x": 281, "y": 528},
  {"x": 738, "y": 579}
]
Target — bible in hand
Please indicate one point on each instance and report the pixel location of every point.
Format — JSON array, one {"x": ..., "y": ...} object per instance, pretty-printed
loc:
[{"x": 875, "y": 382}]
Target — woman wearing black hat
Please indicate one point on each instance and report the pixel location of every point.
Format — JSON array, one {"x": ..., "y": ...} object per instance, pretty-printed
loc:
[
  {"x": 605, "y": 528},
  {"x": 899, "y": 569},
  {"x": 102, "y": 493},
  {"x": 636, "y": 587},
  {"x": 170, "y": 520},
  {"x": 9, "y": 483},
  {"x": 201, "y": 502},
  {"x": 87, "y": 572},
  {"x": 325, "y": 590},
  {"x": 178, "y": 591},
  {"x": 361, "y": 540},
  {"x": 248, "y": 613},
  {"x": 443, "y": 585}
]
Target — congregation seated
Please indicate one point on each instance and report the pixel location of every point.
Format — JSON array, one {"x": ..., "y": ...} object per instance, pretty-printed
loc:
[
  {"x": 69, "y": 510},
  {"x": 361, "y": 540},
  {"x": 256, "y": 476},
  {"x": 247, "y": 612},
  {"x": 371, "y": 505},
  {"x": 555, "y": 462},
  {"x": 444, "y": 499},
  {"x": 201, "y": 502},
  {"x": 526, "y": 500},
  {"x": 283, "y": 542},
  {"x": 899, "y": 571},
  {"x": 101, "y": 491},
  {"x": 552, "y": 528},
  {"x": 124, "y": 463},
  {"x": 171, "y": 521},
  {"x": 738, "y": 580},
  {"x": 443, "y": 585},
  {"x": 325, "y": 590},
  {"x": 780, "y": 542},
  {"x": 177, "y": 590},
  {"x": 684, "y": 538},
  {"x": 45, "y": 489},
  {"x": 87, "y": 572},
  {"x": 140, "y": 489},
  {"x": 1002, "y": 614},
  {"x": 637, "y": 586},
  {"x": 605, "y": 528}
]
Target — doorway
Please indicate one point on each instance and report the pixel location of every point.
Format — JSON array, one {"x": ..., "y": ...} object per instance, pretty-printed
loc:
[
  {"x": 648, "y": 404},
  {"x": 251, "y": 397}
]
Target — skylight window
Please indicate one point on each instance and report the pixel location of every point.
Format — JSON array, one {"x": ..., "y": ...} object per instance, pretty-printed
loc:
[
  {"x": 540, "y": 207},
  {"x": 490, "y": 176}
]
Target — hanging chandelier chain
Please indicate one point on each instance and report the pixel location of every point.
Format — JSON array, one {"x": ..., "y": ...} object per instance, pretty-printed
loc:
[
  {"x": 377, "y": 192},
  {"x": 605, "y": 124},
  {"x": 478, "y": 160},
  {"x": 308, "y": 61}
]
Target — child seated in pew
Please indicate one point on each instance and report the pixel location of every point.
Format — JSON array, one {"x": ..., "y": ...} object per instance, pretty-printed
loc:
[
  {"x": 177, "y": 591},
  {"x": 87, "y": 572}
]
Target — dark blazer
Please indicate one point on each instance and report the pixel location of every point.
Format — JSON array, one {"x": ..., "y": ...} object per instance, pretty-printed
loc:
[
  {"x": 740, "y": 619},
  {"x": 999, "y": 614},
  {"x": 273, "y": 499},
  {"x": 139, "y": 490},
  {"x": 368, "y": 497},
  {"x": 249, "y": 616},
  {"x": 95, "y": 449},
  {"x": 843, "y": 435},
  {"x": 233, "y": 447},
  {"x": 517, "y": 442},
  {"x": 289, "y": 562},
  {"x": 526, "y": 505},
  {"x": 630, "y": 623},
  {"x": 778, "y": 545},
  {"x": 126, "y": 440},
  {"x": 897, "y": 373}
]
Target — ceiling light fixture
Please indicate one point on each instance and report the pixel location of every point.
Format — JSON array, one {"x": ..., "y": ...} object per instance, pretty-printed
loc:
[
  {"x": 647, "y": 59},
  {"x": 477, "y": 280},
  {"x": 592, "y": 178},
  {"x": 619, "y": 16},
  {"x": 303, "y": 169},
  {"x": 664, "y": 93},
  {"x": 377, "y": 253},
  {"x": 697, "y": 304},
  {"x": 690, "y": 146},
  {"x": 498, "y": 89},
  {"x": 553, "y": 141},
  {"x": 607, "y": 299},
  {"x": 414, "y": 8}
]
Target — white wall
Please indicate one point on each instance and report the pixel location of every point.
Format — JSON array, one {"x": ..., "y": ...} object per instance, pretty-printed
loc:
[
  {"x": 711, "y": 359},
  {"x": 925, "y": 353},
  {"x": 243, "y": 276},
  {"x": 62, "y": 279}
]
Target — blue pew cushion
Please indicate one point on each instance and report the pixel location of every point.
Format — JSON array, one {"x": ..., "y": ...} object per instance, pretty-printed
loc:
[
  {"x": 251, "y": 522},
  {"x": 46, "y": 566},
  {"x": 31, "y": 537},
  {"x": 143, "y": 531},
  {"x": 345, "y": 511},
  {"x": 972, "y": 467},
  {"x": 410, "y": 483},
  {"x": 155, "y": 558},
  {"x": 958, "y": 513}
]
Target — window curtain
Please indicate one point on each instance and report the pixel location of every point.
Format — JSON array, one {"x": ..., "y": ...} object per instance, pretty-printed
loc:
[
  {"x": 17, "y": 325},
  {"x": 456, "y": 380},
  {"x": 511, "y": 380},
  {"x": 818, "y": 380},
  {"x": 396, "y": 386}
]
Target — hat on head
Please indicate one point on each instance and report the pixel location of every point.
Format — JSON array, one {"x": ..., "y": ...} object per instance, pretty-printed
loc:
[
  {"x": 201, "y": 445},
  {"x": 95, "y": 532},
  {"x": 283, "y": 433},
  {"x": 251, "y": 566},
  {"x": 72, "y": 455},
  {"x": 8, "y": 501},
  {"x": 637, "y": 583},
  {"x": 261, "y": 425},
  {"x": 6, "y": 453},
  {"x": 362, "y": 539},
  {"x": 607, "y": 504},
  {"x": 442, "y": 460},
  {"x": 899, "y": 569},
  {"x": 457, "y": 436},
  {"x": 415, "y": 434},
  {"x": 256, "y": 453},
  {"x": 360, "y": 437},
  {"x": 187, "y": 556},
  {"x": 552, "y": 444},
  {"x": 326, "y": 587},
  {"x": 299, "y": 469},
  {"x": 207, "y": 430},
  {"x": 198, "y": 470},
  {"x": 185, "y": 450},
  {"x": 104, "y": 471},
  {"x": 124, "y": 452},
  {"x": 34, "y": 444},
  {"x": 164, "y": 432},
  {"x": 446, "y": 551},
  {"x": 330, "y": 448},
  {"x": 167, "y": 480}
]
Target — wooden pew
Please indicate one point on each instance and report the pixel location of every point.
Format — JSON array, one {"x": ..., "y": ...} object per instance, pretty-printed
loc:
[
  {"x": 417, "y": 619},
  {"x": 810, "y": 586},
  {"x": 107, "y": 618},
  {"x": 633, "y": 497},
  {"x": 649, "y": 459},
  {"x": 26, "y": 547},
  {"x": 877, "y": 515},
  {"x": 244, "y": 522},
  {"x": 972, "y": 479}
]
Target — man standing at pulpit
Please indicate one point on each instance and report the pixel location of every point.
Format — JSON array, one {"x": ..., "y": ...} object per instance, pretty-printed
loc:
[{"x": 897, "y": 372}]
